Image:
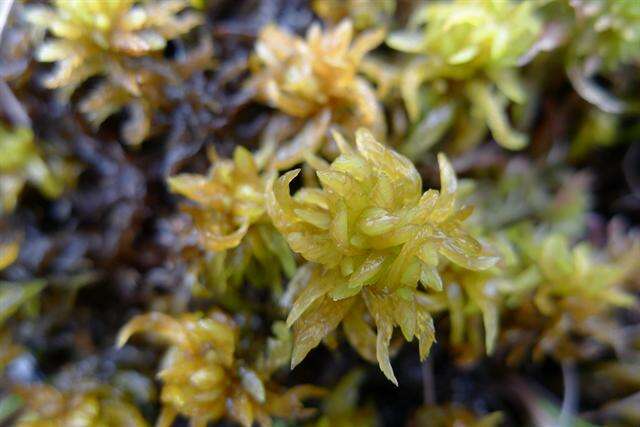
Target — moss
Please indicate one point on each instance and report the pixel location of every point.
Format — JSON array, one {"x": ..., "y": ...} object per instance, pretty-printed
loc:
[
  {"x": 202, "y": 378},
  {"x": 371, "y": 176},
  {"x": 468, "y": 52},
  {"x": 371, "y": 236},
  {"x": 109, "y": 39}
]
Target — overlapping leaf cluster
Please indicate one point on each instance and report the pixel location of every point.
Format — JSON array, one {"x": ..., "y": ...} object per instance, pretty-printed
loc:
[
  {"x": 469, "y": 53},
  {"x": 113, "y": 40},
  {"x": 202, "y": 379},
  {"x": 238, "y": 241},
  {"x": 84, "y": 405},
  {"x": 371, "y": 236},
  {"x": 317, "y": 79}
]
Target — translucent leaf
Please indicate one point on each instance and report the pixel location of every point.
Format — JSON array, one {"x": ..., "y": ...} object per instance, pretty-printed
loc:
[
  {"x": 140, "y": 43},
  {"x": 404, "y": 313},
  {"x": 138, "y": 125},
  {"x": 456, "y": 312},
  {"x": 159, "y": 323},
  {"x": 406, "y": 41},
  {"x": 463, "y": 55},
  {"x": 252, "y": 384},
  {"x": 14, "y": 295},
  {"x": 279, "y": 347},
  {"x": 215, "y": 241},
  {"x": 593, "y": 93},
  {"x": 430, "y": 278},
  {"x": 211, "y": 377},
  {"x": 384, "y": 325},
  {"x": 508, "y": 83},
  {"x": 240, "y": 409},
  {"x": 343, "y": 290},
  {"x": 278, "y": 246},
  {"x": 360, "y": 335},
  {"x": 496, "y": 117},
  {"x": 448, "y": 181},
  {"x": 282, "y": 201},
  {"x": 53, "y": 50},
  {"x": 289, "y": 405},
  {"x": 340, "y": 225},
  {"x": 307, "y": 141},
  {"x": 375, "y": 221},
  {"x": 367, "y": 270},
  {"x": 464, "y": 251},
  {"x": 317, "y": 287},
  {"x": 425, "y": 330},
  {"x": 9, "y": 252},
  {"x": 315, "y": 324},
  {"x": 431, "y": 128},
  {"x": 484, "y": 295}
]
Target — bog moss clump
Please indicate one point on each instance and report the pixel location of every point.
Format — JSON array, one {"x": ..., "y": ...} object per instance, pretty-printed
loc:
[
  {"x": 470, "y": 53},
  {"x": 371, "y": 237},
  {"x": 319, "y": 213}
]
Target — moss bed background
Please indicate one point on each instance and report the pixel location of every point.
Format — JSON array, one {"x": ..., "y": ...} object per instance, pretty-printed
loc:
[{"x": 459, "y": 246}]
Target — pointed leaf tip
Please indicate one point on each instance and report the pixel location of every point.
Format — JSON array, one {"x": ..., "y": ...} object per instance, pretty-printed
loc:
[{"x": 448, "y": 180}]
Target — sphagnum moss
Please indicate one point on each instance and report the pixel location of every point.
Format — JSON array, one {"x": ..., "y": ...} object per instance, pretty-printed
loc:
[
  {"x": 23, "y": 163},
  {"x": 371, "y": 236},
  {"x": 468, "y": 52},
  {"x": 363, "y": 13},
  {"x": 111, "y": 39},
  {"x": 204, "y": 381},
  {"x": 606, "y": 30},
  {"x": 571, "y": 296},
  {"x": 375, "y": 253},
  {"x": 97, "y": 406},
  {"x": 229, "y": 213},
  {"x": 603, "y": 37},
  {"x": 316, "y": 79}
]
